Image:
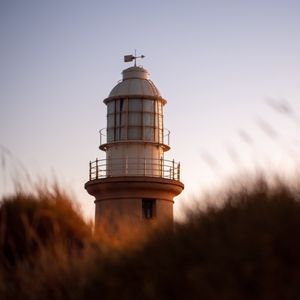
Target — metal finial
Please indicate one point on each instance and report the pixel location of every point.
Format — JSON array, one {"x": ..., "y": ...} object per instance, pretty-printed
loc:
[{"x": 129, "y": 58}]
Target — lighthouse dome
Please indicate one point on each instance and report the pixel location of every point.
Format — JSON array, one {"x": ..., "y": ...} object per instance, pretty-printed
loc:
[{"x": 135, "y": 82}]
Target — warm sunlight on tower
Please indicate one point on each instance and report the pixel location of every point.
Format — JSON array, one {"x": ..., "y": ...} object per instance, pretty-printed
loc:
[{"x": 134, "y": 185}]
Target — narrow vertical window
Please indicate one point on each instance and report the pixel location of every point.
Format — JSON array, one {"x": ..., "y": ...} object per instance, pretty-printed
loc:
[{"x": 148, "y": 208}]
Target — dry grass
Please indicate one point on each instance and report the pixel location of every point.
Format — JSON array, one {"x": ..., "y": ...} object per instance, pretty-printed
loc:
[{"x": 248, "y": 248}]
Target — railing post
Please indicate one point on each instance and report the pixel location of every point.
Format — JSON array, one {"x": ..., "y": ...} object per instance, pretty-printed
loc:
[
  {"x": 96, "y": 168},
  {"x": 144, "y": 166},
  {"x": 173, "y": 167},
  {"x": 178, "y": 172},
  {"x": 161, "y": 168},
  {"x": 90, "y": 175},
  {"x": 126, "y": 166}
]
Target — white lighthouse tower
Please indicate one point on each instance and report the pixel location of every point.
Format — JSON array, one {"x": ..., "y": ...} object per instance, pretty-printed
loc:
[{"x": 134, "y": 185}]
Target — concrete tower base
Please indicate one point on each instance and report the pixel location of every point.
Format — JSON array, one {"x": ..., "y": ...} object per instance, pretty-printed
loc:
[{"x": 133, "y": 205}]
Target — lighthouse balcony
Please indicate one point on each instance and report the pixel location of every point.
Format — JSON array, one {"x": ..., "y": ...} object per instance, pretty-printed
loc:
[
  {"x": 149, "y": 167},
  {"x": 135, "y": 134}
]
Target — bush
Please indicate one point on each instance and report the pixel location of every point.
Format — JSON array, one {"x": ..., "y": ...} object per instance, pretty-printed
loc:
[{"x": 32, "y": 222}]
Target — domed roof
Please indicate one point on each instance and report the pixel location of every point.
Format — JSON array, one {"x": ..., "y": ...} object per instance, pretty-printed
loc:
[{"x": 135, "y": 82}]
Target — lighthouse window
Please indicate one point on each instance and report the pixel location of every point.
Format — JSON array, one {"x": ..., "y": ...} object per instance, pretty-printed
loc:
[
  {"x": 117, "y": 108},
  {"x": 134, "y": 119},
  {"x": 148, "y": 119},
  {"x": 111, "y": 107},
  {"x": 149, "y": 133},
  {"x": 160, "y": 121},
  {"x": 123, "y": 118},
  {"x": 160, "y": 135},
  {"x": 110, "y": 135},
  {"x": 123, "y": 133},
  {"x": 149, "y": 105},
  {"x": 117, "y": 133},
  {"x": 159, "y": 108},
  {"x": 148, "y": 207},
  {"x": 135, "y": 105},
  {"x": 117, "y": 120},
  {"x": 134, "y": 133},
  {"x": 121, "y": 105},
  {"x": 110, "y": 120}
]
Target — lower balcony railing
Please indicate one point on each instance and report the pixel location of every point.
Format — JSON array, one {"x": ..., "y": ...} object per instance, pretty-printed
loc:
[{"x": 104, "y": 168}]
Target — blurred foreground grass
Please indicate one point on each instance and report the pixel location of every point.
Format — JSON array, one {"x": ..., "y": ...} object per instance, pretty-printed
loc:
[{"x": 246, "y": 248}]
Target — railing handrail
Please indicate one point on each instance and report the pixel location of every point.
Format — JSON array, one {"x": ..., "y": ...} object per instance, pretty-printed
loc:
[
  {"x": 103, "y": 137},
  {"x": 150, "y": 167}
]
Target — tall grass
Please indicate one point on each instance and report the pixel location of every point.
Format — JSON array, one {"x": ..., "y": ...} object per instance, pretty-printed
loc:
[{"x": 246, "y": 248}]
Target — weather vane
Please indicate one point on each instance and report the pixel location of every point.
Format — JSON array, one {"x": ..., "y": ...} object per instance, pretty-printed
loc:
[{"x": 128, "y": 58}]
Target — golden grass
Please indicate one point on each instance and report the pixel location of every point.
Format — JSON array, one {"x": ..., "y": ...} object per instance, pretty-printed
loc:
[{"x": 246, "y": 248}]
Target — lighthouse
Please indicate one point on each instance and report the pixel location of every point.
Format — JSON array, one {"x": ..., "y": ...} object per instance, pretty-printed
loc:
[{"x": 134, "y": 185}]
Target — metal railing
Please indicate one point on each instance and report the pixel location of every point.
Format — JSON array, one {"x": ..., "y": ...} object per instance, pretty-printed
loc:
[
  {"x": 165, "y": 137},
  {"x": 161, "y": 168}
]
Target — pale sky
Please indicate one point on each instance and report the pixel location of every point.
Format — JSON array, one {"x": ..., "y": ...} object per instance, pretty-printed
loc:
[{"x": 230, "y": 71}]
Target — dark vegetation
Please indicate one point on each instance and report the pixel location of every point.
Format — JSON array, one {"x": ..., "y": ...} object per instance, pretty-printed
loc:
[{"x": 246, "y": 248}]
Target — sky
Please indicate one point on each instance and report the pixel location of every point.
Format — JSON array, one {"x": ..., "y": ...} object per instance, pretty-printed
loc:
[{"x": 230, "y": 71}]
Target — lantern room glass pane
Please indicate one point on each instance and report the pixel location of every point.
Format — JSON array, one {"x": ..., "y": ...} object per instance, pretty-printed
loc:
[
  {"x": 122, "y": 105},
  {"x": 110, "y": 135},
  {"x": 110, "y": 120},
  {"x": 134, "y": 119},
  {"x": 123, "y": 119},
  {"x": 134, "y": 133},
  {"x": 160, "y": 135},
  {"x": 117, "y": 109},
  {"x": 117, "y": 134},
  {"x": 117, "y": 121},
  {"x": 148, "y": 119},
  {"x": 148, "y": 105},
  {"x": 160, "y": 121},
  {"x": 111, "y": 107},
  {"x": 159, "y": 107},
  {"x": 135, "y": 105},
  {"x": 149, "y": 133},
  {"x": 123, "y": 133}
]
